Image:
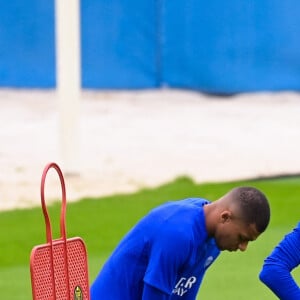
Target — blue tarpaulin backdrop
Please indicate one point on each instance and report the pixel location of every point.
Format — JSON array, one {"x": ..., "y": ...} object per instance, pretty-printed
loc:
[
  {"x": 27, "y": 50},
  {"x": 212, "y": 46}
]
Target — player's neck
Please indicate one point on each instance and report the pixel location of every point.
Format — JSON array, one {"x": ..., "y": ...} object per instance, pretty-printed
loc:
[{"x": 209, "y": 212}]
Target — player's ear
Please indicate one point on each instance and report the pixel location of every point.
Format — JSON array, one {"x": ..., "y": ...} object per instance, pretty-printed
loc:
[{"x": 225, "y": 216}]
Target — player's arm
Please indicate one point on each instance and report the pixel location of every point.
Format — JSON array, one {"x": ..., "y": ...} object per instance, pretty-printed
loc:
[
  {"x": 169, "y": 252},
  {"x": 276, "y": 271},
  {"x": 151, "y": 293}
]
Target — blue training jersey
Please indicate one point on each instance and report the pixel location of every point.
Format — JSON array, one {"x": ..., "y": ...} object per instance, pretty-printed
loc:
[
  {"x": 169, "y": 249},
  {"x": 276, "y": 271}
]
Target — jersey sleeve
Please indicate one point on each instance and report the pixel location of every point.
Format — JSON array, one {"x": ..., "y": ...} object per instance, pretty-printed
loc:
[
  {"x": 169, "y": 252},
  {"x": 151, "y": 293},
  {"x": 276, "y": 271}
]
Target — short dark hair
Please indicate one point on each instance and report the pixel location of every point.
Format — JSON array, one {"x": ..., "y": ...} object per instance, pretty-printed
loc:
[{"x": 254, "y": 206}]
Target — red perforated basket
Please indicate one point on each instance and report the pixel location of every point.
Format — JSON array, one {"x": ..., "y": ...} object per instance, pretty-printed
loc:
[{"x": 59, "y": 268}]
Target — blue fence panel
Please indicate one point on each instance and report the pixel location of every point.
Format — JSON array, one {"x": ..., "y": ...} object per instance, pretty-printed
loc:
[
  {"x": 232, "y": 46},
  {"x": 27, "y": 53},
  {"x": 119, "y": 44},
  {"x": 216, "y": 46}
]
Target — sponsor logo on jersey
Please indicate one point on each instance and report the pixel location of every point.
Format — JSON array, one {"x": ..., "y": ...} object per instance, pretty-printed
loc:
[{"x": 208, "y": 261}]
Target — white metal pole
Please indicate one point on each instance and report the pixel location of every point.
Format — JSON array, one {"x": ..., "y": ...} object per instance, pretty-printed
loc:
[{"x": 68, "y": 80}]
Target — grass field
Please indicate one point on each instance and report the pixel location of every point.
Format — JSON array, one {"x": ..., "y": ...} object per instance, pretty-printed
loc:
[{"x": 102, "y": 222}]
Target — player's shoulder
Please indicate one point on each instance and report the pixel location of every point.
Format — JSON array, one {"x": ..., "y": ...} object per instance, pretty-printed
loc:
[
  {"x": 192, "y": 201},
  {"x": 296, "y": 230},
  {"x": 292, "y": 238},
  {"x": 181, "y": 204}
]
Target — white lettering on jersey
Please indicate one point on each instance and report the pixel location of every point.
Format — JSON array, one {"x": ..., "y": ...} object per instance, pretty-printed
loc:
[{"x": 183, "y": 285}]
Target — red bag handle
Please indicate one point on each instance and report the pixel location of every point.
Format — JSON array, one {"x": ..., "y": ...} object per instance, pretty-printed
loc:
[
  {"x": 62, "y": 219},
  {"x": 63, "y": 207}
]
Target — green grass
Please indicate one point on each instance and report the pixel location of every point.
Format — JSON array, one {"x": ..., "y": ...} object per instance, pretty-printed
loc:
[{"x": 102, "y": 222}]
